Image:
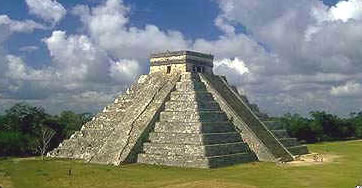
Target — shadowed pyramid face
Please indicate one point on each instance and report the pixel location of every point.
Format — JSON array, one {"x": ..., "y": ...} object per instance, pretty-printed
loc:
[
  {"x": 179, "y": 116},
  {"x": 181, "y": 61}
]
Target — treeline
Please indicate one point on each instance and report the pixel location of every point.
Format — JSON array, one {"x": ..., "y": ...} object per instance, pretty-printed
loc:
[
  {"x": 23, "y": 129},
  {"x": 322, "y": 126}
]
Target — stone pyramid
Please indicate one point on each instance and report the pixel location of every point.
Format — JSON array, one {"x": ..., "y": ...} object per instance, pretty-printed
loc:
[{"x": 180, "y": 114}]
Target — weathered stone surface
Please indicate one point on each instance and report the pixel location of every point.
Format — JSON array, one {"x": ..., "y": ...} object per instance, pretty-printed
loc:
[
  {"x": 193, "y": 126},
  {"x": 259, "y": 138},
  {"x": 120, "y": 132}
]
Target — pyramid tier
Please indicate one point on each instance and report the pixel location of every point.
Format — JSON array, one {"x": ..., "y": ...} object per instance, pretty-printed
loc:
[
  {"x": 188, "y": 76},
  {"x": 189, "y": 116},
  {"x": 191, "y": 96},
  {"x": 193, "y": 127},
  {"x": 280, "y": 133},
  {"x": 190, "y": 86},
  {"x": 195, "y": 139},
  {"x": 293, "y": 146},
  {"x": 298, "y": 150},
  {"x": 195, "y": 150},
  {"x": 191, "y": 105},
  {"x": 195, "y": 161}
]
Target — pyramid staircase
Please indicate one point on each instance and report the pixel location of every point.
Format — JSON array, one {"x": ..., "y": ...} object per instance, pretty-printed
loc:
[
  {"x": 292, "y": 144},
  {"x": 268, "y": 141},
  {"x": 193, "y": 131}
]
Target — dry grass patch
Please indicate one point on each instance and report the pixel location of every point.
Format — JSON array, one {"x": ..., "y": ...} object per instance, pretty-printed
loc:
[{"x": 208, "y": 183}]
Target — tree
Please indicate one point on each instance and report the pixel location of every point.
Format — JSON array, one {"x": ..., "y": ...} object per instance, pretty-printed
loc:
[
  {"x": 72, "y": 122},
  {"x": 356, "y": 121},
  {"x": 44, "y": 140},
  {"x": 2, "y": 123},
  {"x": 330, "y": 127},
  {"x": 24, "y": 118},
  {"x": 298, "y": 127},
  {"x": 29, "y": 130}
]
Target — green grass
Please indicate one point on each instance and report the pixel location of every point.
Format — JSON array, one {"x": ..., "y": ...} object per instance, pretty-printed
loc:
[{"x": 344, "y": 171}]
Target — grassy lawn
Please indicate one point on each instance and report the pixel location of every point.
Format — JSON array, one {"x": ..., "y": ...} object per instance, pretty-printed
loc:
[{"x": 344, "y": 171}]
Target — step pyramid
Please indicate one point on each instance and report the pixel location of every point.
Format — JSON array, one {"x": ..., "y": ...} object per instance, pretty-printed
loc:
[
  {"x": 180, "y": 114},
  {"x": 193, "y": 131}
]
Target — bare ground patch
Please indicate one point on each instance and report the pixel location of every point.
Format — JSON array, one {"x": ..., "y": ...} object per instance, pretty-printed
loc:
[
  {"x": 312, "y": 159},
  {"x": 5, "y": 181}
]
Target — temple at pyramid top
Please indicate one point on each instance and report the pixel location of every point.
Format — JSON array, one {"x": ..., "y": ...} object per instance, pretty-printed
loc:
[{"x": 181, "y": 61}]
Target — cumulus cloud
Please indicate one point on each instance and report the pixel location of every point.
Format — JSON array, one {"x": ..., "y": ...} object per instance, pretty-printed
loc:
[
  {"x": 349, "y": 89},
  {"x": 108, "y": 56},
  {"x": 13, "y": 71},
  {"x": 48, "y": 10},
  {"x": 296, "y": 56},
  {"x": 124, "y": 70},
  {"x": 107, "y": 26},
  {"x": 296, "y": 52},
  {"x": 9, "y": 25},
  {"x": 346, "y": 10},
  {"x": 231, "y": 64},
  {"x": 76, "y": 57}
]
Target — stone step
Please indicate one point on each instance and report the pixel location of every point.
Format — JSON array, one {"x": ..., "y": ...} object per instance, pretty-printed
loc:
[
  {"x": 195, "y": 150},
  {"x": 191, "y": 105},
  {"x": 83, "y": 142},
  {"x": 226, "y": 160},
  {"x": 298, "y": 150},
  {"x": 191, "y": 96},
  {"x": 288, "y": 142},
  {"x": 190, "y": 86},
  {"x": 187, "y": 116},
  {"x": 189, "y": 76},
  {"x": 281, "y": 133},
  {"x": 100, "y": 122},
  {"x": 194, "y": 127},
  {"x": 273, "y": 125},
  {"x": 195, "y": 139},
  {"x": 195, "y": 162},
  {"x": 81, "y": 152}
]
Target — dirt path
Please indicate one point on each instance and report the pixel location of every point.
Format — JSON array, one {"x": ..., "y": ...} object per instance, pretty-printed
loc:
[{"x": 5, "y": 181}]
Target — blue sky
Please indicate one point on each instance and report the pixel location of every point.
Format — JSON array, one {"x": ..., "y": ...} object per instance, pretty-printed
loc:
[{"x": 248, "y": 39}]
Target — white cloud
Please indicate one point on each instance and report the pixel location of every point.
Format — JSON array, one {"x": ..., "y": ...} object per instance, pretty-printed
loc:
[
  {"x": 107, "y": 26},
  {"x": 224, "y": 26},
  {"x": 76, "y": 57},
  {"x": 49, "y": 10},
  {"x": 19, "y": 26},
  {"x": 345, "y": 10},
  {"x": 350, "y": 88},
  {"x": 18, "y": 70},
  {"x": 28, "y": 48},
  {"x": 124, "y": 70},
  {"x": 231, "y": 65},
  {"x": 294, "y": 50}
]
